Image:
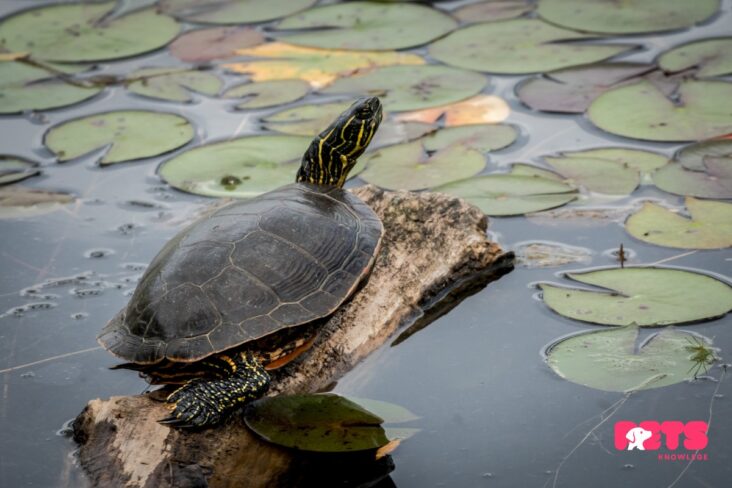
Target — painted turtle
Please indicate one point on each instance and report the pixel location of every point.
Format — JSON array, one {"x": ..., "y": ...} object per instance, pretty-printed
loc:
[{"x": 244, "y": 289}]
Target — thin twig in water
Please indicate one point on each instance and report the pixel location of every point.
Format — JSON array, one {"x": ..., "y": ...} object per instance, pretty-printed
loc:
[{"x": 48, "y": 360}]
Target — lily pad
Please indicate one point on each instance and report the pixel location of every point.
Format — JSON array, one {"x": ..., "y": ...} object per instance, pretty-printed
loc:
[
  {"x": 174, "y": 85},
  {"x": 711, "y": 57},
  {"x": 700, "y": 110},
  {"x": 710, "y": 225},
  {"x": 639, "y": 159},
  {"x": 482, "y": 137},
  {"x": 519, "y": 46},
  {"x": 232, "y": 11},
  {"x": 609, "y": 360},
  {"x": 238, "y": 168},
  {"x": 367, "y": 25},
  {"x": 14, "y": 169},
  {"x": 128, "y": 134},
  {"x": 320, "y": 423},
  {"x": 507, "y": 195},
  {"x": 402, "y": 88},
  {"x": 646, "y": 297},
  {"x": 628, "y": 16},
  {"x": 268, "y": 93},
  {"x": 492, "y": 10},
  {"x": 278, "y": 61},
  {"x": 692, "y": 156},
  {"x": 481, "y": 109},
  {"x": 204, "y": 45},
  {"x": 24, "y": 87},
  {"x": 21, "y": 202},
  {"x": 597, "y": 175},
  {"x": 523, "y": 169},
  {"x": 86, "y": 32},
  {"x": 716, "y": 182}
]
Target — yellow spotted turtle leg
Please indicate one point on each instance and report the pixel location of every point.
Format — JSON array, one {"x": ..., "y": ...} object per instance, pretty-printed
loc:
[{"x": 204, "y": 402}]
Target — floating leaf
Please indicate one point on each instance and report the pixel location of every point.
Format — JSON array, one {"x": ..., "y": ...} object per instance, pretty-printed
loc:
[
  {"x": 173, "y": 84},
  {"x": 710, "y": 225},
  {"x": 598, "y": 175},
  {"x": 692, "y": 156},
  {"x": 647, "y": 297},
  {"x": 716, "y": 182},
  {"x": 492, "y": 10},
  {"x": 519, "y": 46},
  {"x": 14, "y": 169},
  {"x": 609, "y": 360},
  {"x": 86, "y": 32},
  {"x": 24, "y": 87},
  {"x": 129, "y": 135},
  {"x": 701, "y": 110},
  {"x": 232, "y": 11},
  {"x": 628, "y": 16},
  {"x": 367, "y": 25},
  {"x": 506, "y": 194},
  {"x": 239, "y": 168},
  {"x": 203, "y": 45},
  {"x": 522, "y": 169},
  {"x": 280, "y": 61},
  {"x": 321, "y": 423},
  {"x": 19, "y": 202},
  {"x": 481, "y": 109},
  {"x": 482, "y": 137},
  {"x": 711, "y": 57},
  {"x": 268, "y": 93},
  {"x": 409, "y": 167},
  {"x": 402, "y": 88},
  {"x": 643, "y": 161}
]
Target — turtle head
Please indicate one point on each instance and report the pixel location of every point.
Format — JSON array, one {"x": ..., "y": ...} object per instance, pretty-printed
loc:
[{"x": 334, "y": 152}]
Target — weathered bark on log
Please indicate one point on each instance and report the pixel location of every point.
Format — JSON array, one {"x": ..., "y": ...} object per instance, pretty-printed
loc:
[{"x": 433, "y": 244}]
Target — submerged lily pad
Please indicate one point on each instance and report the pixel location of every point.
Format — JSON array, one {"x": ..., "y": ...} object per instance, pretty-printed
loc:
[
  {"x": 519, "y": 46},
  {"x": 268, "y": 93},
  {"x": 701, "y": 110},
  {"x": 173, "y": 84},
  {"x": 628, "y": 16},
  {"x": 692, "y": 156},
  {"x": 716, "y": 182},
  {"x": 20, "y": 202},
  {"x": 480, "y": 109},
  {"x": 278, "y": 61},
  {"x": 14, "y": 169},
  {"x": 128, "y": 134},
  {"x": 24, "y": 87},
  {"x": 598, "y": 175},
  {"x": 483, "y": 137},
  {"x": 203, "y": 45},
  {"x": 609, "y": 360},
  {"x": 506, "y": 194},
  {"x": 646, "y": 297},
  {"x": 367, "y": 25},
  {"x": 492, "y": 10},
  {"x": 402, "y": 88},
  {"x": 86, "y": 32},
  {"x": 711, "y": 57},
  {"x": 232, "y": 11},
  {"x": 710, "y": 225},
  {"x": 322, "y": 422},
  {"x": 238, "y": 168}
]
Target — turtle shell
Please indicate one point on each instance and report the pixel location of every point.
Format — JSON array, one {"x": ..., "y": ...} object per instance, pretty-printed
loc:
[{"x": 248, "y": 270}]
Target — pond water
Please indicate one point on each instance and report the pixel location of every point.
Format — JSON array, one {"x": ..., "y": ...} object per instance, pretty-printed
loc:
[{"x": 491, "y": 411}]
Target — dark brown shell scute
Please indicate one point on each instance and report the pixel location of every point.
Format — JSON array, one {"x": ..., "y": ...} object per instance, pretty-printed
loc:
[{"x": 252, "y": 268}]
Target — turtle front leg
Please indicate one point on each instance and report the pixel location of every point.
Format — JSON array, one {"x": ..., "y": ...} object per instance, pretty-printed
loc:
[{"x": 201, "y": 402}]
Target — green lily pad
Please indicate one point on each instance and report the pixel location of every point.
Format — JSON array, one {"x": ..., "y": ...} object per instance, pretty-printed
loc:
[
  {"x": 701, "y": 110},
  {"x": 320, "y": 423},
  {"x": 523, "y": 169},
  {"x": 204, "y": 45},
  {"x": 710, "y": 225},
  {"x": 646, "y": 297},
  {"x": 85, "y": 32},
  {"x": 20, "y": 202},
  {"x": 367, "y": 25},
  {"x": 507, "y": 195},
  {"x": 644, "y": 161},
  {"x": 268, "y": 93},
  {"x": 628, "y": 16},
  {"x": 609, "y": 360},
  {"x": 692, "y": 156},
  {"x": 414, "y": 87},
  {"x": 716, "y": 182},
  {"x": 128, "y": 134},
  {"x": 408, "y": 166},
  {"x": 14, "y": 169},
  {"x": 492, "y": 10},
  {"x": 519, "y": 46},
  {"x": 597, "y": 175},
  {"x": 174, "y": 85},
  {"x": 238, "y": 168},
  {"x": 482, "y": 137},
  {"x": 232, "y": 11},
  {"x": 711, "y": 57},
  {"x": 24, "y": 87}
]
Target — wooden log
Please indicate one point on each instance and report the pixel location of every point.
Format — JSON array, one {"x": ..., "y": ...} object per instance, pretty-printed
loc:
[{"x": 434, "y": 246}]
